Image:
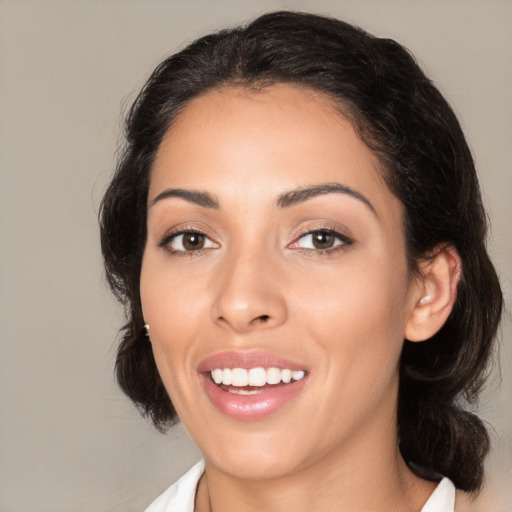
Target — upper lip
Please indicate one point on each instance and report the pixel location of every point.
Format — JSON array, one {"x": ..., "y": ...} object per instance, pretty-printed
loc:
[{"x": 247, "y": 360}]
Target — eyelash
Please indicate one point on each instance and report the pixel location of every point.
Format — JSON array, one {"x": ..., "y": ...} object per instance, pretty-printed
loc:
[
  {"x": 169, "y": 237},
  {"x": 346, "y": 242}
]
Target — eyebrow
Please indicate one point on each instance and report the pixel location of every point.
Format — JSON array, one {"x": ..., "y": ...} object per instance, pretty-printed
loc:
[
  {"x": 285, "y": 200},
  {"x": 204, "y": 199},
  {"x": 302, "y": 194}
]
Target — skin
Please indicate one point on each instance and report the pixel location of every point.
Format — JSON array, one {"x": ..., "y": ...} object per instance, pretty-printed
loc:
[{"x": 259, "y": 284}]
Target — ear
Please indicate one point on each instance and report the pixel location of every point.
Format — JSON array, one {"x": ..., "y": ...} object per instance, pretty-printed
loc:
[{"x": 435, "y": 294}]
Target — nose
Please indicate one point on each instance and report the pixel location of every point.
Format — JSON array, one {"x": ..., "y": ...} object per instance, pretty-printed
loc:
[{"x": 249, "y": 294}]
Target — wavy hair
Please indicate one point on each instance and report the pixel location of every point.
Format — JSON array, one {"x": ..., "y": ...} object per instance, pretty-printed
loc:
[{"x": 427, "y": 164}]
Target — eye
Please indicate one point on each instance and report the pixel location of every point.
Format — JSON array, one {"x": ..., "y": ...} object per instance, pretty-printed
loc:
[
  {"x": 322, "y": 240},
  {"x": 187, "y": 241}
]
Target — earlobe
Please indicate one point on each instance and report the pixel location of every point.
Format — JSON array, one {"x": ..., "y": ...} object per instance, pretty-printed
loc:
[{"x": 440, "y": 276}]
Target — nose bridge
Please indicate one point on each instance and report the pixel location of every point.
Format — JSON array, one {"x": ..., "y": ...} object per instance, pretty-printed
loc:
[{"x": 248, "y": 294}]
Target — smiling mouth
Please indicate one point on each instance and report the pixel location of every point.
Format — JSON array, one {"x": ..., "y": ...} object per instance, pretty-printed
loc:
[
  {"x": 241, "y": 381},
  {"x": 251, "y": 392}
]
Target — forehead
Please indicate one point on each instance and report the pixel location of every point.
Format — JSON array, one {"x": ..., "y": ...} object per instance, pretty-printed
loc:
[{"x": 280, "y": 137}]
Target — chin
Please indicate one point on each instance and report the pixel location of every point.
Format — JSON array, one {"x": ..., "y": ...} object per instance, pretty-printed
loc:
[
  {"x": 254, "y": 466},
  {"x": 259, "y": 456}
]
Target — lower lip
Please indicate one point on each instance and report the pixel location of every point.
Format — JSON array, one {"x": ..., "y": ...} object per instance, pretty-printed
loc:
[{"x": 251, "y": 407}]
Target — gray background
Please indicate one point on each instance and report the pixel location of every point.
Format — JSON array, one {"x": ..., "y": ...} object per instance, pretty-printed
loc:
[{"x": 69, "y": 440}]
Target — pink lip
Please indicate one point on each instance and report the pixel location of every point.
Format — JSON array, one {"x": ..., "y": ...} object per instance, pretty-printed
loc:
[
  {"x": 247, "y": 360},
  {"x": 249, "y": 407}
]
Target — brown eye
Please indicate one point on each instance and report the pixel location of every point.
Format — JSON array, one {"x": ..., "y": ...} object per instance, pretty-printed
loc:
[
  {"x": 193, "y": 241},
  {"x": 188, "y": 241},
  {"x": 322, "y": 239}
]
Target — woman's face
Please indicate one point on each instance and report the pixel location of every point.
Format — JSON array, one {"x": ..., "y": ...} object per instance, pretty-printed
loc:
[{"x": 273, "y": 242}]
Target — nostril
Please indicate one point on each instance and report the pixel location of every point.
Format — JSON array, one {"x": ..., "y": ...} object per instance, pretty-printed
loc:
[{"x": 263, "y": 318}]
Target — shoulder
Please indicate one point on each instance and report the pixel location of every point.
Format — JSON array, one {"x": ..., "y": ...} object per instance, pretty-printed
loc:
[{"x": 179, "y": 497}]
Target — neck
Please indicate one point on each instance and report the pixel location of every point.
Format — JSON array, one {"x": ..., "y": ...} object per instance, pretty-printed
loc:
[{"x": 356, "y": 479}]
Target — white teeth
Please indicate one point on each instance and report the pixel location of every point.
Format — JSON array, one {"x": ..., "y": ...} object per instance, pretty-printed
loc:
[
  {"x": 242, "y": 391},
  {"x": 226, "y": 377},
  {"x": 257, "y": 377},
  {"x": 286, "y": 376},
  {"x": 217, "y": 376},
  {"x": 273, "y": 376},
  {"x": 298, "y": 374},
  {"x": 239, "y": 377}
]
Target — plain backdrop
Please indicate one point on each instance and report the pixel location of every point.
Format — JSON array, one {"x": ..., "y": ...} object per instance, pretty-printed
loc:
[{"x": 69, "y": 440}]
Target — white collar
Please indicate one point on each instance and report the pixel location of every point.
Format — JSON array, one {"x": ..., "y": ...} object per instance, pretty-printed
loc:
[
  {"x": 180, "y": 496},
  {"x": 442, "y": 499}
]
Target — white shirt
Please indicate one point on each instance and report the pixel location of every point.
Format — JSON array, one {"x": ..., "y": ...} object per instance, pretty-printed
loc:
[{"x": 179, "y": 497}]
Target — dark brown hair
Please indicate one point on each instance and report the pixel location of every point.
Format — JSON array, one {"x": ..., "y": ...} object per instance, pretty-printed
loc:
[{"x": 427, "y": 164}]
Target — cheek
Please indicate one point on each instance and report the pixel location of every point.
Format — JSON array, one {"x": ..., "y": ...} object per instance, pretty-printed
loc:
[
  {"x": 366, "y": 293},
  {"x": 358, "y": 314},
  {"x": 170, "y": 299},
  {"x": 172, "y": 308}
]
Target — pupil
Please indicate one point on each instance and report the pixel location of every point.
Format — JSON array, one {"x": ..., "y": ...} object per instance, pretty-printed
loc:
[
  {"x": 322, "y": 240},
  {"x": 193, "y": 241}
]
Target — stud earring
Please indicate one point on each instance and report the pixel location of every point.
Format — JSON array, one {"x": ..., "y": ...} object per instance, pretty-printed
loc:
[
  {"x": 425, "y": 300},
  {"x": 146, "y": 328}
]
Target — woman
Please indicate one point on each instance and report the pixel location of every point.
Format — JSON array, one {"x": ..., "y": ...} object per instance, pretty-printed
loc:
[{"x": 296, "y": 230}]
